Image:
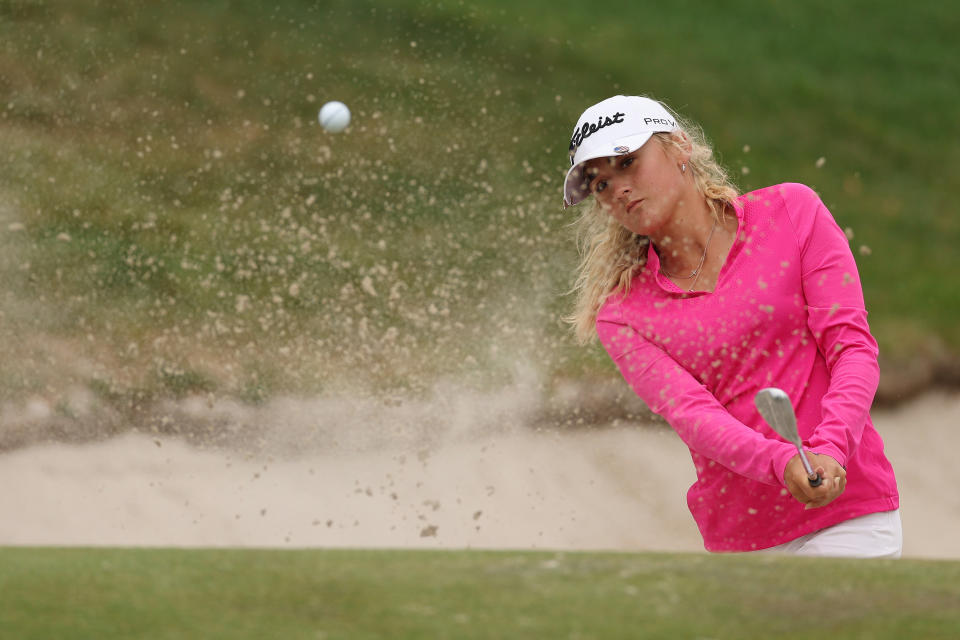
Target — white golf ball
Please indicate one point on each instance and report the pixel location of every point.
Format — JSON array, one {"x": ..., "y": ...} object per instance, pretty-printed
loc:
[{"x": 334, "y": 116}]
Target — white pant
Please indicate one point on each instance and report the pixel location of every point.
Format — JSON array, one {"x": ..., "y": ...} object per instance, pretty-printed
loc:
[{"x": 876, "y": 535}]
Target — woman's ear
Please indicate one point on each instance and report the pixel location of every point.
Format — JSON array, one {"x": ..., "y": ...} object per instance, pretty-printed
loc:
[{"x": 682, "y": 140}]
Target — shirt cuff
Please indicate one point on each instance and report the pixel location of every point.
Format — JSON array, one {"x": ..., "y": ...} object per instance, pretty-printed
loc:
[
  {"x": 780, "y": 460},
  {"x": 832, "y": 451}
]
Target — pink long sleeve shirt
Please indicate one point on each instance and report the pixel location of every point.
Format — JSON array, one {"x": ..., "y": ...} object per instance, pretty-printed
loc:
[{"x": 787, "y": 311}]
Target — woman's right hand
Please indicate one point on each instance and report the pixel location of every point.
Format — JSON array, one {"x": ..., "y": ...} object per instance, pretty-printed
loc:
[{"x": 798, "y": 483}]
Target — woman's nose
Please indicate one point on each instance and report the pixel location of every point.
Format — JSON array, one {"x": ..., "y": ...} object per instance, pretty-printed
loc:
[{"x": 621, "y": 187}]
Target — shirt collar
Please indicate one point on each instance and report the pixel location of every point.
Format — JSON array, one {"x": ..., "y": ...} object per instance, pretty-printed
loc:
[{"x": 665, "y": 283}]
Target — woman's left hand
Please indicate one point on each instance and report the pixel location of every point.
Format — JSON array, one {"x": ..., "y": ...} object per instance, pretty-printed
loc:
[{"x": 798, "y": 483}]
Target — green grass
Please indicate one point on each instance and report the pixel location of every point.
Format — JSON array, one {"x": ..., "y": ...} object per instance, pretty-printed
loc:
[
  {"x": 168, "y": 203},
  {"x": 124, "y": 593}
]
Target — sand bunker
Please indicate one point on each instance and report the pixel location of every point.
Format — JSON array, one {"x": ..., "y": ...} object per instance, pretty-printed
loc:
[{"x": 507, "y": 487}]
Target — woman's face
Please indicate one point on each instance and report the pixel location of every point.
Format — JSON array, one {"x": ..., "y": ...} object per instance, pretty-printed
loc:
[{"x": 641, "y": 190}]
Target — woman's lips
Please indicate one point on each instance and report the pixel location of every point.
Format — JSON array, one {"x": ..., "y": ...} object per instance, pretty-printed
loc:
[{"x": 632, "y": 205}]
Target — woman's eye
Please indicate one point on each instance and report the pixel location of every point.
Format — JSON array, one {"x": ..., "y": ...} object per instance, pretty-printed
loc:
[
  {"x": 626, "y": 163},
  {"x": 600, "y": 186}
]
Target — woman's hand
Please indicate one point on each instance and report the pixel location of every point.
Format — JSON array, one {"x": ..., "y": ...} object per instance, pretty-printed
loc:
[{"x": 834, "y": 480}]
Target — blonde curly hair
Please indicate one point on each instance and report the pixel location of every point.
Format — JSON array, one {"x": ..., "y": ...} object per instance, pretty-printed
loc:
[{"x": 610, "y": 254}]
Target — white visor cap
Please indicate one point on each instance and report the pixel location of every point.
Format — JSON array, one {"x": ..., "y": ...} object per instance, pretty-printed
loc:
[{"x": 618, "y": 125}]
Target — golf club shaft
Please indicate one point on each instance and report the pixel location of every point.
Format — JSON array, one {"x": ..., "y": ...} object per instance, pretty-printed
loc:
[{"x": 812, "y": 476}]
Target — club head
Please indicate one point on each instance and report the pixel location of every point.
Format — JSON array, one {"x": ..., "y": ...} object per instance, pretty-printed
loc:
[{"x": 775, "y": 407}]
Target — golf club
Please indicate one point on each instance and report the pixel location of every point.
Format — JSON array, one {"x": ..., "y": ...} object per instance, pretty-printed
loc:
[{"x": 775, "y": 407}]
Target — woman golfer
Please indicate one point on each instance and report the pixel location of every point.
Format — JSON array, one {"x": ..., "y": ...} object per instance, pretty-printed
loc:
[{"x": 703, "y": 296}]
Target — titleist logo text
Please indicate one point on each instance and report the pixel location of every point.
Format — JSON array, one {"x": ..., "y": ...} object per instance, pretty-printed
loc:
[{"x": 590, "y": 128}]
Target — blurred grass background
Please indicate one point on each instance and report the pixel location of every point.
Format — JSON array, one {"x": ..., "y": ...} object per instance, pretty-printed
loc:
[
  {"x": 173, "y": 221},
  {"x": 246, "y": 593}
]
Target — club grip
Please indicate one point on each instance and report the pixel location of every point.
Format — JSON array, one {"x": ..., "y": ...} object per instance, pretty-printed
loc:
[{"x": 816, "y": 482}]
